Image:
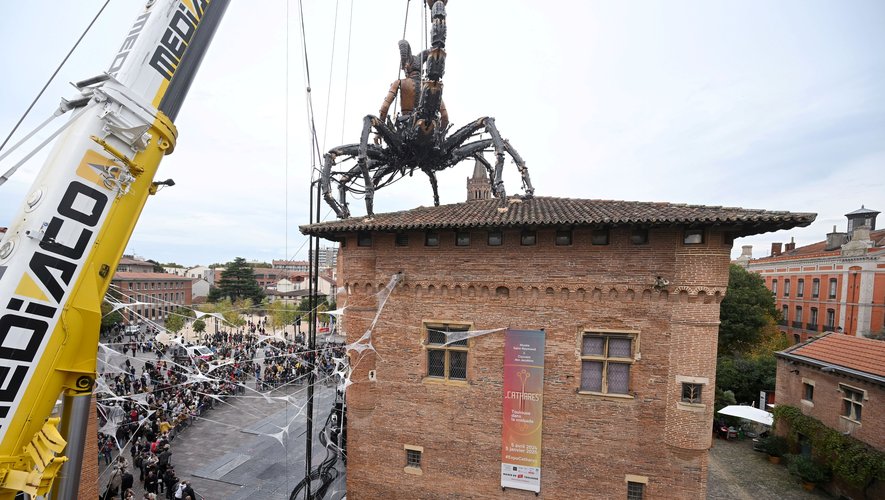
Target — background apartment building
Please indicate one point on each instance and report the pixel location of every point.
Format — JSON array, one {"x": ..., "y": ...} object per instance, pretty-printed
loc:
[{"x": 837, "y": 284}]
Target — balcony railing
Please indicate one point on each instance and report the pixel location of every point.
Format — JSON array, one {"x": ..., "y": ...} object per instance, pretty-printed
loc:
[
  {"x": 812, "y": 326},
  {"x": 782, "y": 322},
  {"x": 829, "y": 328},
  {"x": 797, "y": 324}
]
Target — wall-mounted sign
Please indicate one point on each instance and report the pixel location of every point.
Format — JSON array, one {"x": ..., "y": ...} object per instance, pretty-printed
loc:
[{"x": 523, "y": 409}]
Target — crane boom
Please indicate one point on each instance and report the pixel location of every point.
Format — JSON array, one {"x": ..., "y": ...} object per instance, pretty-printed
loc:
[{"x": 61, "y": 249}]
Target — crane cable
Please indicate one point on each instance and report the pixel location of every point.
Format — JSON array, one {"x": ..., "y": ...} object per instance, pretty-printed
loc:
[
  {"x": 331, "y": 68},
  {"x": 347, "y": 72},
  {"x": 315, "y": 145},
  {"x": 399, "y": 69},
  {"x": 20, "y": 120}
]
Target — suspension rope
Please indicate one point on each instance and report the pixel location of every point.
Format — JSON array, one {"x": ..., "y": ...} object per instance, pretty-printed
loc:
[
  {"x": 406, "y": 21},
  {"x": 286, "y": 137},
  {"x": 311, "y": 115},
  {"x": 20, "y": 120},
  {"x": 399, "y": 69},
  {"x": 347, "y": 72},
  {"x": 331, "y": 68}
]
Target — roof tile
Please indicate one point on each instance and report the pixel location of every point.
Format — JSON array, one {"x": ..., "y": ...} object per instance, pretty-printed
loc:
[
  {"x": 549, "y": 211},
  {"x": 856, "y": 353}
]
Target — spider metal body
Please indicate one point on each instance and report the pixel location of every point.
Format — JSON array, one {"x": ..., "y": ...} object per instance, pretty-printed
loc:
[{"x": 418, "y": 138}]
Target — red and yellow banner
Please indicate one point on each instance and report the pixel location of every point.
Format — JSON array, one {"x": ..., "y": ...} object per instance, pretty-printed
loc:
[{"x": 523, "y": 409}]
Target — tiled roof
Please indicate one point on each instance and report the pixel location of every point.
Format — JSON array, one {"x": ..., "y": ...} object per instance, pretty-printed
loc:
[
  {"x": 548, "y": 211},
  {"x": 820, "y": 249},
  {"x": 136, "y": 262},
  {"x": 848, "y": 351},
  {"x": 148, "y": 277}
]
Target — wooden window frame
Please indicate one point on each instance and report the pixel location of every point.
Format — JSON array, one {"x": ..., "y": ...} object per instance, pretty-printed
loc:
[
  {"x": 447, "y": 349},
  {"x": 849, "y": 410},
  {"x": 606, "y": 359}
]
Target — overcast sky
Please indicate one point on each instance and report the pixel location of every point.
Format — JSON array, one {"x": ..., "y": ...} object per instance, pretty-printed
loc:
[{"x": 759, "y": 104}]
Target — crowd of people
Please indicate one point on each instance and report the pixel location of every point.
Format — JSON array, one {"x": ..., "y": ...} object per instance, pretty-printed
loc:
[{"x": 144, "y": 404}]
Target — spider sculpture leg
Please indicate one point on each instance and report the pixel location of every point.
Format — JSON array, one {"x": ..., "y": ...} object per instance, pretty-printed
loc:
[
  {"x": 376, "y": 157},
  {"x": 459, "y": 151},
  {"x": 523, "y": 170},
  {"x": 390, "y": 136},
  {"x": 497, "y": 182},
  {"x": 433, "y": 184},
  {"x": 340, "y": 205}
]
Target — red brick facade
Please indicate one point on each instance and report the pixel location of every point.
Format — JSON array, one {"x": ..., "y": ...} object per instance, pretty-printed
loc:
[
  {"x": 162, "y": 294},
  {"x": 840, "y": 381},
  {"x": 592, "y": 443},
  {"x": 831, "y": 364},
  {"x": 833, "y": 285},
  {"x": 827, "y": 403}
]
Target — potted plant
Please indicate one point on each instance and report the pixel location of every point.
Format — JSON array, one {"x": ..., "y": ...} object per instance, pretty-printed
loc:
[
  {"x": 775, "y": 447},
  {"x": 809, "y": 471}
]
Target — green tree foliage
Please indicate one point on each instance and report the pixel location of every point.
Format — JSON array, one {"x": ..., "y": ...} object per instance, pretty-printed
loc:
[
  {"x": 281, "y": 315},
  {"x": 237, "y": 282},
  {"x": 176, "y": 321},
  {"x": 199, "y": 326},
  {"x": 108, "y": 318},
  {"x": 745, "y": 376},
  {"x": 748, "y": 308},
  {"x": 158, "y": 268},
  {"x": 748, "y": 339}
]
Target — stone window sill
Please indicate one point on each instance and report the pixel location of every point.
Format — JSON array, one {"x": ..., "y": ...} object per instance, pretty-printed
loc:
[
  {"x": 695, "y": 407},
  {"x": 442, "y": 381},
  {"x": 415, "y": 471},
  {"x": 606, "y": 396}
]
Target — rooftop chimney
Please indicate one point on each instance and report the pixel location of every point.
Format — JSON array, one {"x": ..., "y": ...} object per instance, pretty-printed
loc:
[
  {"x": 746, "y": 256},
  {"x": 835, "y": 240},
  {"x": 776, "y": 249},
  {"x": 791, "y": 245}
]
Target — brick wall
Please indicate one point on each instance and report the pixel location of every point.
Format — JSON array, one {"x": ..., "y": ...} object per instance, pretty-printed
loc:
[
  {"x": 590, "y": 443},
  {"x": 89, "y": 473},
  {"x": 827, "y": 403}
]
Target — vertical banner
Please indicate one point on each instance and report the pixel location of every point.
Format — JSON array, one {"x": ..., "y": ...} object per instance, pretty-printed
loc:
[{"x": 523, "y": 409}]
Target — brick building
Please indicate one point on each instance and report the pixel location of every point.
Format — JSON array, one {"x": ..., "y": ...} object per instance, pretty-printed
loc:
[
  {"x": 301, "y": 266},
  {"x": 837, "y": 284},
  {"x": 136, "y": 281},
  {"x": 627, "y": 295},
  {"x": 840, "y": 381}
]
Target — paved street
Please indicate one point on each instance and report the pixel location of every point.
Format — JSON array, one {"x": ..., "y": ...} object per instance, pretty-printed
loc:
[
  {"x": 738, "y": 472},
  {"x": 250, "y": 447},
  {"x": 239, "y": 452}
]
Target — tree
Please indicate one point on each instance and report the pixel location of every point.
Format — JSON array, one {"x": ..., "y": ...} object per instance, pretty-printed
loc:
[
  {"x": 158, "y": 268},
  {"x": 748, "y": 308},
  {"x": 199, "y": 326},
  {"x": 745, "y": 376},
  {"x": 281, "y": 315},
  {"x": 109, "y": 317},
  {"x": 748, "y": 339},
  {"x": 238, "y": 282},
  {"x": 177, "y": 319}
]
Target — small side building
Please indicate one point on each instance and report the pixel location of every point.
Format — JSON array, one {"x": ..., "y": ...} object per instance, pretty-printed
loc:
[
  {"x": 627, "y": 295},
  {"x": 839, "y": 380}
]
